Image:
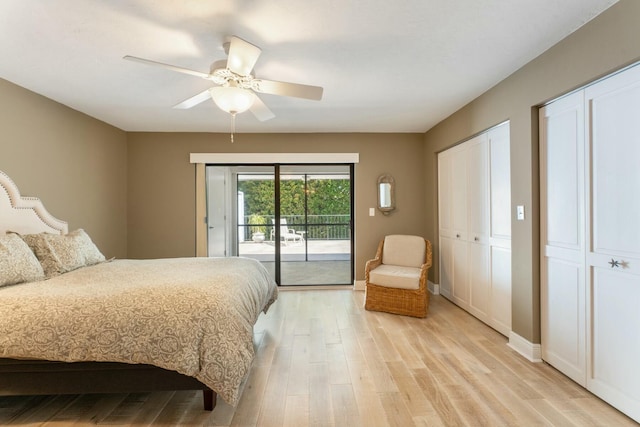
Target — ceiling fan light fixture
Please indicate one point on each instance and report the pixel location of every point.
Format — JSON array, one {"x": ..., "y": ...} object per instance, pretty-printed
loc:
[{"x": 232, "y": 99}]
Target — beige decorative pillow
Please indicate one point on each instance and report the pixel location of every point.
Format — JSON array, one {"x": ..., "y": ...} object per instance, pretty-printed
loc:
[
  {"x": 17, "y": 263},
  {"x": 89, "y": 250},
  {"x": 61, "y": 253}
]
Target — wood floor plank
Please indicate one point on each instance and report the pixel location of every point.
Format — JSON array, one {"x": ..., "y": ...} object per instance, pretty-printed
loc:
[
  {"x": 410, "y": 391},
  {"x": 345, "y": 408},
  {"x": 151, "y": 408},
  {"x": 398, "y": 414},
  {"x": 296, "y": 411},
  {"x": 298, "y": 383},
  {"x": 437, "y": 397},
  {"x": 46, "y": 410},
  {"x": 337, "y": 362},
  {"x": 320, "y": 406},
  {"x": 350, "y": 345},
  {"x": 317, "y": 343},
  {"x": 275, "y": 395},
  {"x": 249, "y": 407}
]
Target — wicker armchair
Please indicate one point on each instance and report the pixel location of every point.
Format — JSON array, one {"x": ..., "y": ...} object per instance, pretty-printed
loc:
[{"x": 399, "y": 285}]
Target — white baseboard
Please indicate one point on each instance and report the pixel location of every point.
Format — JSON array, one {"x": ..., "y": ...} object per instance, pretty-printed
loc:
[
  {"x": 434, "y": 288},
  {"x": 358, "y": 285},
  {"x": 529, "y": 350}
]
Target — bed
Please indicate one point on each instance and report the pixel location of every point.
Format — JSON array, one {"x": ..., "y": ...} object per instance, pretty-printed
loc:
[{"x": 114, "y": 326}]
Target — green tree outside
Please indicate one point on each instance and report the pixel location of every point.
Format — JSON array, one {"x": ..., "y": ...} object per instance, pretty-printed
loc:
[{"x": 326, "y": 199}]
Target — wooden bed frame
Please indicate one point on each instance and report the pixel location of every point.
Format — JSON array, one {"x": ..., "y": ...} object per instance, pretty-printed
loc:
[{"x": 38, "y": 377}]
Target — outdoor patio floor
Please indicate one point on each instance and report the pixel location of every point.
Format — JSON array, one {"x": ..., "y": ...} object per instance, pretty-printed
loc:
[{"x": 310, "y": 262}]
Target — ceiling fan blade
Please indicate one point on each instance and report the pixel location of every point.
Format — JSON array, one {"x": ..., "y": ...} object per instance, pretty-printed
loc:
[
  {"x": 260, "y": 110},
  {"x": 242, "y": 56},
  {"x": 167, "y": 66},
  {"x": 289, "y": 89},
  {"x": 194, "y": 100}
]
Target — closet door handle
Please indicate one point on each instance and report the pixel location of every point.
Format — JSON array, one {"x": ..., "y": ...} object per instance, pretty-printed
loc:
[
  {"x": 457, "y": 236},
  {"x": 477, "y": 239},
  {"x": 614, "y": 263}
]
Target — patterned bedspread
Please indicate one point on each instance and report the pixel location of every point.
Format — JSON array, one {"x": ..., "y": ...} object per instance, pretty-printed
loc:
[{"x": 191, "y": 315}]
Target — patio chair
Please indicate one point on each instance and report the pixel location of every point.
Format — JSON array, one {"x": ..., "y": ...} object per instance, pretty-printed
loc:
[
  {"x": 396, "y": 279},
  {"x": 286, "y": 234}
]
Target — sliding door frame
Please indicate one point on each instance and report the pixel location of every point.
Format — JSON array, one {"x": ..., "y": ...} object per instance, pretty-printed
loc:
[{"x": 201, "y": 160}]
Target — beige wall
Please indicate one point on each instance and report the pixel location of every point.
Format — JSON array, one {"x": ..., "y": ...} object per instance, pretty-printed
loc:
[
  {"x": 161, "y": 184},
  {"x": 605, "y": 44},
  {"x": 75, "y": 164}
]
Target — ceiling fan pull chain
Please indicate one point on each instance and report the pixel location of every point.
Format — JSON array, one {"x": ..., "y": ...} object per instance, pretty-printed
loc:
[{"x": 233, "y": 125}]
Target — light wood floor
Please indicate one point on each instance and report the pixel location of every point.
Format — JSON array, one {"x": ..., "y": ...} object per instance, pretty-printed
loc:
[{"x": 324, "y": 361}]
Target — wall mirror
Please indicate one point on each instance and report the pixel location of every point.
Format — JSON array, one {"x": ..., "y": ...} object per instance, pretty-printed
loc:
[{"x": 386, "y": 194}]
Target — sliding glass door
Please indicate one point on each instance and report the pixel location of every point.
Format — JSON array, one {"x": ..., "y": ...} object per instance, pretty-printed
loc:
[
  {"x": 315, "y": 231},
  {"x": 295, "y": 219}
]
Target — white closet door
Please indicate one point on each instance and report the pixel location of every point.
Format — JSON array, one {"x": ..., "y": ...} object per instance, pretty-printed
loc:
[
  {"x": 477, "y": 166},
  {"x": 458, "y": 191},
  {"x": 475, "y": 262},
  {"x": 445, "y": 223},
  {"x": 446, "y": 266},
  {"x": 478, "y": 227},
  {"x": 563, "y": 316},
  {"x": 613, "y": 255},
  {"x": 500, "y": 227}
]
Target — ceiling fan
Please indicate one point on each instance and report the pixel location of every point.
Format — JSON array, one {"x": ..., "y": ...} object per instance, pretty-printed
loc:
[{"x": 236, "y": 86}]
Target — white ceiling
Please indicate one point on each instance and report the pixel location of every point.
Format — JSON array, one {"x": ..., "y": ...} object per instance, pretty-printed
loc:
[{"x": 386, "y": 66}]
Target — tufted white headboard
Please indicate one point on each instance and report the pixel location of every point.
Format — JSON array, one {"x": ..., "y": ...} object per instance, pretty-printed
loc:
[{"x": 24, "y": 215}]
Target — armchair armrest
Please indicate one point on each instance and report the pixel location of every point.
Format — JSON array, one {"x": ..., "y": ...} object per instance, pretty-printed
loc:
[
  {"x": 373, "y": 263},
  {"x": 424, "y": 268}
]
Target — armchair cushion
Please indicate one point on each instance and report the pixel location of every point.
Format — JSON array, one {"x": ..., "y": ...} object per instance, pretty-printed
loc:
[
  {"x": 404, "y": 251},
  {"x": 395, "y": 276}
]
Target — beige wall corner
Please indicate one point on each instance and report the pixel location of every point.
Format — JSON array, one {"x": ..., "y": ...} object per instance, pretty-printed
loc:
[{"x": 74, "y": 163}]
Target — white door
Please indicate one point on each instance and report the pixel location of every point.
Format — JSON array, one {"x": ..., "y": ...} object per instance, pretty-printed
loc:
[
  {"x": 445, "y": 224},
  {"x": 613, "y": 255},
  {"x": 562, "y": 227},
  {"x": 458, "y": 189},
  {"x": 475, "y": 246},
  {"x": 216, "y": 212},
  {"x": 500, "y": 227},
  {"x": 477, "y": 165}
]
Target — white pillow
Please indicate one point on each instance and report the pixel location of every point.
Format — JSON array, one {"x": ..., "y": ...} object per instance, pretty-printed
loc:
[{"x": 18, "y": 264}]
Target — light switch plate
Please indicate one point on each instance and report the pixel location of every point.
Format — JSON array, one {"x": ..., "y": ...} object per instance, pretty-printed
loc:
[
  {"x": 372, "y": 211},
  {"x": 520, "y": 212}
]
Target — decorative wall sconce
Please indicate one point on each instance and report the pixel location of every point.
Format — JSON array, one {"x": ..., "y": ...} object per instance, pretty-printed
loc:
[{"x": 386, "y": 194}]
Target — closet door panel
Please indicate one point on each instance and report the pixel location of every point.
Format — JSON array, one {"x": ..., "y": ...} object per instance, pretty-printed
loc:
[
  {"x": 615, "y": 348},
  {"x": 479, "y": 281},
  {"x": 500, "y": 182},
  {"x": 613, "y": 255},
  {"x": 444, "y": 193},
  {"x": 615, "y": 160},
  {"x": 477, "y": 189},
  {"x": 562, "y": 212},
  {"x": 459, "y": 192},
  {"x": 460, "y": 291},
  {"x": 500, "y": 296},
  {"x": 446, "y": 266},
  {"x": 564, "y": 330},
  {"x": 564, "y": 173}
]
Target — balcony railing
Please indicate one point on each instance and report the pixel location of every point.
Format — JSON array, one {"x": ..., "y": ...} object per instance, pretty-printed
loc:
[{"x": 318, "y": 227}]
